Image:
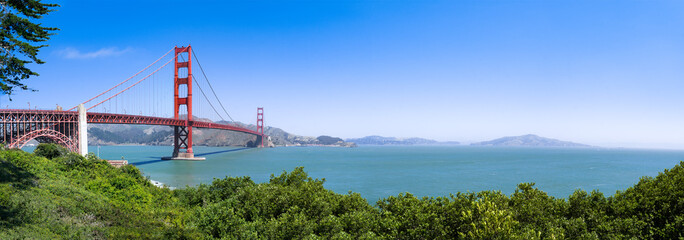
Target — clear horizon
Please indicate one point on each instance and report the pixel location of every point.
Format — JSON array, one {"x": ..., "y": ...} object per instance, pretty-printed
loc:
[{"x": 603, "y": 73}]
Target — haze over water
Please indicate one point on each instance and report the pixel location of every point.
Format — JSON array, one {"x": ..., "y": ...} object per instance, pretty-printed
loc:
[{"x": 380, "y": 171}]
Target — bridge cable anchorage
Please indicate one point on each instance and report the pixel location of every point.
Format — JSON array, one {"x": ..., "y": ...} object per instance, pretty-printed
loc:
[
  {"x": 129, "y": 87},
  {"x": 212, "y": 88},
  {"x": 167, "y": 53}
]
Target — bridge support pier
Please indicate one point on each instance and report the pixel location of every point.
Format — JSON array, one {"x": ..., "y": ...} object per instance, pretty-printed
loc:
[
  {"x": 182, "y": 139},
  {"x": 259, "y": 141},
  {"x": 82, "y": 130}
]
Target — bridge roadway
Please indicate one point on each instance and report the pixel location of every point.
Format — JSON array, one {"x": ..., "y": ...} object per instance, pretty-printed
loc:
[
  {"x": 109, "y": 118},
  {"x": 18, "y": 126}
]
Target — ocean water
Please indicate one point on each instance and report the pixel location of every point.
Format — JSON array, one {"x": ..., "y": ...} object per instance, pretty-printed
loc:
[{"x": 380, "y": 171}]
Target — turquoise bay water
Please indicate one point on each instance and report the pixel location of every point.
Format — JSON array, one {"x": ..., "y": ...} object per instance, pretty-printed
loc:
[{"x": 380, "y": 171}]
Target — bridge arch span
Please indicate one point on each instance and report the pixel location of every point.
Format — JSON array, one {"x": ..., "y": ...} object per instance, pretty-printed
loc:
[{"x": 53, "y": 135}]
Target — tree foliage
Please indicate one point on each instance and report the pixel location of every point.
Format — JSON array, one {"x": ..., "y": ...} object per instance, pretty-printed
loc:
[
  {"x": 50, "y": 150},
  {"x": 73, "y": 197},
  {"x": 20, "y": 36}
]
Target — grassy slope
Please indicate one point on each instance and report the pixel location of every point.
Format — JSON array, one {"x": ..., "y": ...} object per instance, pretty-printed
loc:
[{"x": 76, "y": 198}]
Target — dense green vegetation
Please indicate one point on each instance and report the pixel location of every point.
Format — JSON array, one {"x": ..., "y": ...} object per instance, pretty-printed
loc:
[{"x": 72, "y": 197}]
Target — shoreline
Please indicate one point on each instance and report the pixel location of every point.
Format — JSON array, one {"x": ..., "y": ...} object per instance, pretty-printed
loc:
[{"x": 160, "y": 184}]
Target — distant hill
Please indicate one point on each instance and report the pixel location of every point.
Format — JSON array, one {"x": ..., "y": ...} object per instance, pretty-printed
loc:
[
  {"x": 380, "y": 140},
  {"x": 114, "y": 134},
  {"x": 529, "y": 140}
]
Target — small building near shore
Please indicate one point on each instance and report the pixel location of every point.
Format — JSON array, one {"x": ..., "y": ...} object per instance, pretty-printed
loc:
[{"x": 117, "y": 163}]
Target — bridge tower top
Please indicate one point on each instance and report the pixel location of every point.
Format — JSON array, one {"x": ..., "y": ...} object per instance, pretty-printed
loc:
[{"x": 185, "y": 78}]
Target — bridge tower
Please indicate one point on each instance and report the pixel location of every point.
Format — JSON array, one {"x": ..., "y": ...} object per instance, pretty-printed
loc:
[
  {"x": 182, "y": 80},
  {"x": 260, "y": 127}
]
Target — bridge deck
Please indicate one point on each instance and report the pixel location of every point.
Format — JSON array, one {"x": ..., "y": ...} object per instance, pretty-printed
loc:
[
  {"x": 53, "y": 116},
  {"x": 109, "y": 118}
]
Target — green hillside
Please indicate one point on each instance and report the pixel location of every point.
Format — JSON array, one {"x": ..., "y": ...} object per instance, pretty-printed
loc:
[{"x": 66, "y": 196}]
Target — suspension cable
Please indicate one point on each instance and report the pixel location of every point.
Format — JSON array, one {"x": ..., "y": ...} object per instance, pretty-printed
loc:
[
  {"x": 202, "y": 91},
  {"x": 129, "y": 87},
  {"x": 212, "y": 88},
  {"x": 123, "y": 81},
  {"x": 205, "y": 97}
]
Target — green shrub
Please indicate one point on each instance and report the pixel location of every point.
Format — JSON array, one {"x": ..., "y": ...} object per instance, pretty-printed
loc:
[{"x": 50, "y": 150}]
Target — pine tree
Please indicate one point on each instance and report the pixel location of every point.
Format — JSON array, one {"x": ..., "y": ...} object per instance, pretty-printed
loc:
[{"x": 19, "y": 40}]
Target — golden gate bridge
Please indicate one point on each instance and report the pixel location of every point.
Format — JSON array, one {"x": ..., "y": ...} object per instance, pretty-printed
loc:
[{"x": 148, "y": 97}]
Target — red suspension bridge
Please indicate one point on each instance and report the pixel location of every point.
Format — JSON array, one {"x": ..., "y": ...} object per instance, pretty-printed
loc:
[{"x": 148, "y": 97}]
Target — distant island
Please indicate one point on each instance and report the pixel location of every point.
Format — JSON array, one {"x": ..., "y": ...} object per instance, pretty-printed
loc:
[
  {"x": 380, "y": 140},
  {"x": 529, "y": 140}
]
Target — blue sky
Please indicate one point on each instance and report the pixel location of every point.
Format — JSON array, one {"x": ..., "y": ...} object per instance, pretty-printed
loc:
[{"x": 607, "y": 73}]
